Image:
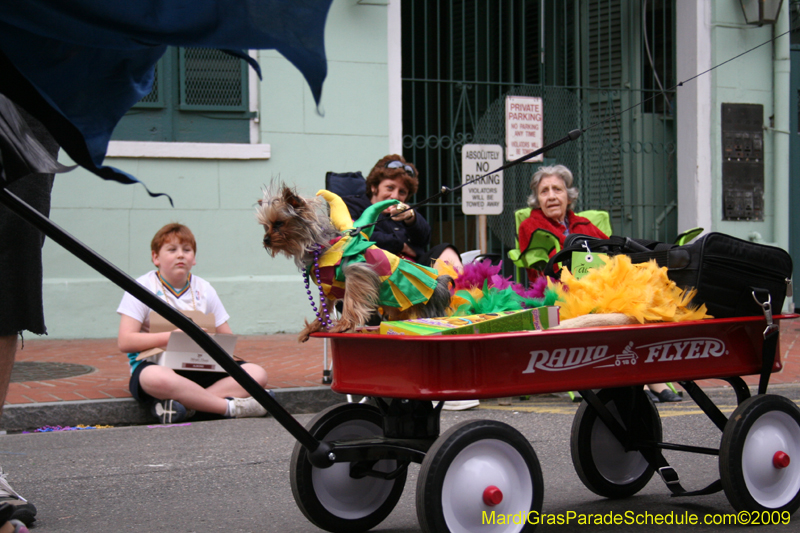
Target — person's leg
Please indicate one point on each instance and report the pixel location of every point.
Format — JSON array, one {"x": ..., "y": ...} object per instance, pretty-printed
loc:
[
  {"x": 451, "y": 257},
  {"x": 228, "y": 387},
  {"x": 23, "y": 510},
  {"x": 444, "y": 251},
  {"x": 241, "y": 404},
  {"x": 660, "y": 392},
  {"x": 163, "y": 383},
  {"x": 223, "y": 397},
  {"x": 21, "y": 284},
  {"x": 8, "y": 350}
]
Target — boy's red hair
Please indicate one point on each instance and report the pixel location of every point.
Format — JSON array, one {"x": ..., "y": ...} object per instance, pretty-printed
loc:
[{"x": 179, "y": 231}]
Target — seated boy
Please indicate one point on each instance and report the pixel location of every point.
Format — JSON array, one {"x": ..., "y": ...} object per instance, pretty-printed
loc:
[{"x": 174, "y": 394}]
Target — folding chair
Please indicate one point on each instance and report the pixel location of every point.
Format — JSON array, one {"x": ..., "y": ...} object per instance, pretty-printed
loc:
[
  {"x": 543, "y": 242},
  {"x": 346, "y": 183},
  {"x": 687, "y": 236},
  {"x": 343, "y": 184}
]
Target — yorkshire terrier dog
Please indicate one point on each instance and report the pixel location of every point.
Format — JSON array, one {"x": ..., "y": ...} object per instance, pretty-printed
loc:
[{"x": 320, "y": 236}]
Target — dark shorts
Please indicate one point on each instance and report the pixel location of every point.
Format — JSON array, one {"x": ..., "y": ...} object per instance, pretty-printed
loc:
[
  {"x": 21, "y": 251},
  {"x": 429, "y": 257},
  {"x": 204, "y": 379},
  {"x": 21, "y": 260}
]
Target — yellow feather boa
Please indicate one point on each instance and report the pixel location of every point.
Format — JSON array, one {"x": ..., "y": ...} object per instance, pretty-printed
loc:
[{"x": 641, "y": 291}]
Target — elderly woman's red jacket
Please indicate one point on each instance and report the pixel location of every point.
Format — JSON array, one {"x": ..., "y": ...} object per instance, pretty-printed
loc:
[{"x": 538, "y": 220}]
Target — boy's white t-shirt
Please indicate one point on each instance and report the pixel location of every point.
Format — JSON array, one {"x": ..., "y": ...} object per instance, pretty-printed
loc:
[{"x": 202, "y": 297}]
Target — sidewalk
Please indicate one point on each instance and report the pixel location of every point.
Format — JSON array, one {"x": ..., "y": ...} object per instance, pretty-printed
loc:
[{"x": 46, "y": 390}]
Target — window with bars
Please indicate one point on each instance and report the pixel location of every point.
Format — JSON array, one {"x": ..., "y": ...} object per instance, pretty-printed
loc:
[{"x": 198, "y": 95}]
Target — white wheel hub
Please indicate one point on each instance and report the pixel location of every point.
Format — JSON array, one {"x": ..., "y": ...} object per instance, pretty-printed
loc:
[
  {"x": 485, "y": 464},
  {"x": 610, "y": 458},
  {"x": 342, "y": 495},
  {"x": 770, "y": 485}
]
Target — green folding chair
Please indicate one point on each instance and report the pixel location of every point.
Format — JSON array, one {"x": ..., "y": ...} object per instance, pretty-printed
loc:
[
  {"x": 601, "y": 219},
  {"x": 543, "y": 242},
  {"x": 687, "y": 236}
]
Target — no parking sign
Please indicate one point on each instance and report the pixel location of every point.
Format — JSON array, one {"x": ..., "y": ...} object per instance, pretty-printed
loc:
[{"x": 484, "y": 196}]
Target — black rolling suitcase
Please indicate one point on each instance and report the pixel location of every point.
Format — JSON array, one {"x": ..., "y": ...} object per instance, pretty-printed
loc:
[{"x": 726, "y": 271}]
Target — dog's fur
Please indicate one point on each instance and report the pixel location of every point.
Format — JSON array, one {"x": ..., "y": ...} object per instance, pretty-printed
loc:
[{"x": 296, "y": 226}]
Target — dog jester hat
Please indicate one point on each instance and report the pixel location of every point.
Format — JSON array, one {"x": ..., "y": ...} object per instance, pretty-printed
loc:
[{"x": 403, "y": 283}]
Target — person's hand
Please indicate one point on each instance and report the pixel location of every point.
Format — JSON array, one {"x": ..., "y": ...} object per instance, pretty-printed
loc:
[
  {"x": 408, "y": 251},
  {"x": 401, "y": 212}
]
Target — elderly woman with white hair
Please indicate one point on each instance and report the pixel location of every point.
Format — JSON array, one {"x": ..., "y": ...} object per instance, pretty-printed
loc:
[
  {"x": 550, "y": 201},
  {"x": 553, "y": 194}
]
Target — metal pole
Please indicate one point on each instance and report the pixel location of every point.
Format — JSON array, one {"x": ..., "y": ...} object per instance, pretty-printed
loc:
[{"x": 482, "y": 233}]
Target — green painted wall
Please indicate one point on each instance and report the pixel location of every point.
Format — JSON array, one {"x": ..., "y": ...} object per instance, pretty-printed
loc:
[
  {"x": 216, "y": 198},
  {"x": 756, "y": 78}
]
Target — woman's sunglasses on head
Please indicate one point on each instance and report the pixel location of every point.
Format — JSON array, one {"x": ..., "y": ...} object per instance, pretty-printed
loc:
[{"x": 399, "y": 164}]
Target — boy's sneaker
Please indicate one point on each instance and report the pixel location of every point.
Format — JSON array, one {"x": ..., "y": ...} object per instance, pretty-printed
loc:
[
  {"x": 23, "y": 510},
  {"x": 247, "y": 408},
  {"x": 170, "y": 411}
]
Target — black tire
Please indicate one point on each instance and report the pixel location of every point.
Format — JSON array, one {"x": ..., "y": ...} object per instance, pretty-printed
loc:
[
  {"x": 757, "y": 429},
  {"x": 600, "y": 461},
  {"x": 329, "y": 497},
  {"x": 462, "y": 463}
]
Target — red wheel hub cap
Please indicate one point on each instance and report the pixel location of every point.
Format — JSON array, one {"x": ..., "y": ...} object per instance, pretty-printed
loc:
[
  {"x": 780, "y": 459},
  {"x": 492, "y": 495}
]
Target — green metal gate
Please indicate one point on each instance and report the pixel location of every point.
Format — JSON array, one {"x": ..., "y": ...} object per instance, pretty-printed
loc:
[{"x": 589, "y": 61}]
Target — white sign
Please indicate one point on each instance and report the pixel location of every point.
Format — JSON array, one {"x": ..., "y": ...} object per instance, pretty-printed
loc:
[
  {"x": 524, "y": 127},
  {"x": 483, "y": 196}
]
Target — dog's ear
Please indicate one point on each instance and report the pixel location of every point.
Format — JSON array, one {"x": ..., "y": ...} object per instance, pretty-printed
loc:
[{"x": 292, "y": 199}]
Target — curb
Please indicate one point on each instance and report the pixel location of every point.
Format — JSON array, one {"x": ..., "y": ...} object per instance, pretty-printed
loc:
[{"x": 127, "y": 411}]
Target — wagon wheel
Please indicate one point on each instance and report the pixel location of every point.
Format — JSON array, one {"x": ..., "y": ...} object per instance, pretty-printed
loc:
[
  {"x": 600, "y": 460},
  {"x": 329, "y": 497},
  {"x": 475, "y": 467},
  {"x": 759, "y": 459}
]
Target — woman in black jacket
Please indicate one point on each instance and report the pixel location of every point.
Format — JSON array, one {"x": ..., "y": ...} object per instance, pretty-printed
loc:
[{"x": 401, "y": 231}]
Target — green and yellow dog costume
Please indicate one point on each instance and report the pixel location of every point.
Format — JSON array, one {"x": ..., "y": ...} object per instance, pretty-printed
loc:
[{"x": 403, "y": 283}]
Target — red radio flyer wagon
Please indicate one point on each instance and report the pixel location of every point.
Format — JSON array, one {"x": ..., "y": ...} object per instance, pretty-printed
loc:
[{"x": 482, "y": 466}]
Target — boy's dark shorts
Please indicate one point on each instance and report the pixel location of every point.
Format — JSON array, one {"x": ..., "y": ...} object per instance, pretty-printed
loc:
[{"x": 204, "y": 379}]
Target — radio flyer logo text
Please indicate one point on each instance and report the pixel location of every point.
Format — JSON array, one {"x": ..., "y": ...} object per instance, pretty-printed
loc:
[{"x": 598, "y": 356}]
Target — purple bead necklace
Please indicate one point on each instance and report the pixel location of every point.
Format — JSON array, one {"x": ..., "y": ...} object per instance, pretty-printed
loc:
[{"x": 326, "y": 322}]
